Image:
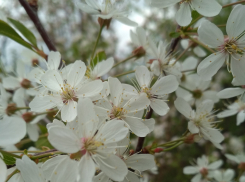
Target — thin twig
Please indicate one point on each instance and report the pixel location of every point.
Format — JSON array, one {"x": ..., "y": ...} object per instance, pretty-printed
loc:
[
  {"x": 35, "y": 19},
  {"x": 225, "y": 6},
  {"x": 12, "y": 174}
]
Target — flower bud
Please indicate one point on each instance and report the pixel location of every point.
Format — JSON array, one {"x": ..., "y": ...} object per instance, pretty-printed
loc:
[
  {"x": 158, "y": 150},
  {"x": 104, "y": 22},
  {"x": 28, "y": 117},
  {"x": 11, "y": 109},
  {"x": 25, "y": 83}
]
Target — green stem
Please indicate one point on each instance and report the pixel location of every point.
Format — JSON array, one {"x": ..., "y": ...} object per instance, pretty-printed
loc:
[
  {"x": 10, "y": 154},
  {"x": 183, "y": 53},
  {"x": 200, "y": 43},
  {"x": 185, "y": 88},
  {"x": 96, "y": 43},
  {"x": 22, "y": 151},
  {"x": 21, "y": 108},
  {"x": 125, "y": 73},
  {"x": 45, "y": 155},
  {"x": 178, "y": 144},
  {"x": 193, "y": 22},
  {"x": 130, "y": 57},
  {"x": 225, "y": 6},
  {"x": 12, "y": 174},
  {"x": 171, "y": 142}
]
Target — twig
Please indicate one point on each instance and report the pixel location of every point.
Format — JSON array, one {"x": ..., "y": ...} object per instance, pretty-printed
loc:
[
  {"x": 225, "y": 6},
  {"x": 35, "y": 19},
  {"x": 12, "y": 174}
]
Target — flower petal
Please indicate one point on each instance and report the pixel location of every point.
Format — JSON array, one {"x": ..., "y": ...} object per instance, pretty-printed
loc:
[
  {"x": 69, "y": 111},
  {"x": 76, "y": 73},
  {"x": 183, "y": 15},
  {"x": 3, "y": 171},
  {"x": 226, "y": 113},
  {"x": 126, "y": 21},
  {"x": 32, "y": 131},
  {"x": 103, "y": 67},
  {"x": 159, "y": 106},
  {"x": 143, "y": 76},
  {"x": 190, "y": 170},
  {"x": 164, "y": 4},
  {"x": 215, "y": 165},
  {"x": 208, "y": 8},
  {"x": 237, "y": 69},
  {"x": 192, "y": 127},
  {"x": 115, "y": 90},
  {"x": 11, "y": 83},
  {"x": 54, "y": 60},
  {"x": 90, "y": 89},
  {"x": 52, "y": 80},
  {"x": 240, "y": 117},
  {"x": 183, "y": 107},
  {"x": 230, "y": 92},
  {"x": 141, "y": 162},
  {"x": 137, "y": 126}
]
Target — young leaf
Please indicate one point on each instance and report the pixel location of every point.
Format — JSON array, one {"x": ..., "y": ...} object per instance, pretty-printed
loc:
[
  {"x": 8, "y": 159},
  {"x": 9, "y": 32},
  {"x": 174, "y": 34},
  {"x": 100, "y": 56},
  {"x": 24, "y": 31}
]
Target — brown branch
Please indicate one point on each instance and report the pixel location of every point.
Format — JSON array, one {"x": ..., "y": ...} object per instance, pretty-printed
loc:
[{"x": 35, "y": 19}]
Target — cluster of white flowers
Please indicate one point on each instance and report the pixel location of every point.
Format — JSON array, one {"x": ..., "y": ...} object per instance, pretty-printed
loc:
[{"x": 95, "y": 117}]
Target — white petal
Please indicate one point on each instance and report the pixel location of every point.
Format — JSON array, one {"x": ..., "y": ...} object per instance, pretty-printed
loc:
[
  {"x": 129, "y": 91},
  {"x": 189, "y": 63},
  {"x": 29, "y": 170},
  {"x": 237, "y": 69},
  {"x": 32, "y": 131},
  {"x": 137, "y": 126},
  {"x": 210, "y": 65},
  {"x": 141, "y": 36},
  {"x": 190, "y": 170},
  {"x": 218, "y": 175},
  {"x": 226, "y": 113},
  {"x": 56, "y": 169},
  {"x": 87, "y": 9},
  {"x": 199, "y": 51},
  {"x": 205, "y": 107},
  {"x": 183, "y": 107},
  {"x": 54, "y": 60},
  {"x": 153, "y": 48},
  {"x": 210, "y": 34},
  {"x": 124, "y": 144},
  {"x": 12, "y": 130},
  {"x": 143, "y": 76},
  {"x": 230, "y": 92},
  {"x": 196, "y": 178},
  {"x": 229, "y": 174},
  {"x": 210, "y": 95},
  {"x": 215, "y": 165},
  {"x": 208, "y": 8},
  {"x": 90, "y": 89},
  {"x": 232, "y": 158},
  {"x": 159, "y": 106},
  {"x": 165, "y": 85},
  {"x": 86, "y": 168},
  {"x": 76, "y": 74},
  {"x": 52, "y": 80},
  {"x": 101, "y": 178},
  {"x": 64, "y": 139},
  {"x": 104, "y": 67},
  {"x": 183, "y": 15},
  {"x": 141, "y": 162},
  {"x": 126, "y": 21},
  {"x": 234, "y": 27},
  {"x": 137, "y": 103},
  {"x": 11, "y": 83},
  {"x": 115, "y": 168},
  {"x": 163, "y": 4},
  {"x": 41, "y": 104},
  {"x": 3, "y": 171},
  {"x": 192, "y": 127},
  {"x": 213, "y": 135},
  {"x": 150, "y": 123},
  {"x": 131, "y": 176},
  {"x": 240, "y": 117},
  {"x": 69, "y": 111},
  {"x": 115, "y": 90}
]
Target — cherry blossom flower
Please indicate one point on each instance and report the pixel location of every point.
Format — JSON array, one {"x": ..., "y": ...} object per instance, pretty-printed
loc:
[
  {"x": 242, "y": 179},
  {"x": 230, "y": 48},
  {"x": 3, "y": 171},
  {"x": 195, "y": 90},
  {"x": 224, "y": 176},
  {"x": 107, "y": 10},
  {"x": 156, "y": 94},
  {"x": 29, "y": 170},
  {"x": 202, "y": 168},
  {"x": 239, "y": 158},
  {"x": 115, "y": 107},
  {"x": 208, "y": 8},
  {"x": 238, "y": 107},
  {"x": 200, "y": 120},
  {"x": 65, "y": 89},
  {"x": 93, "y": 142},
  {"x": 160, "y": 64}
]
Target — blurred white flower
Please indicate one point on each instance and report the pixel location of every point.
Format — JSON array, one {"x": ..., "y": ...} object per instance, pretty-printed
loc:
[
  {"x": 230, "y": 49},
  {"x": 239, "y": 159},
  {"x": 201, "y": 120},
  {"x": 224, "y": 176},
  {"x": 3, "y": 171},
  {"x": 238, "y": 107},
  {"x": 197, "y": 49},
  {"x": 208, "y": 8},
  {"x": 202, "y": 168}
]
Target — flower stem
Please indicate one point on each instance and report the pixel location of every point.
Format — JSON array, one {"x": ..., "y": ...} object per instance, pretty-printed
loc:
[
  {"x": 22, "y": 151},
  {"x": 45, "y": 155},
  {"x": 200, "y": 43},
  {"x": 10, "y": 154},
  {"x": 178, "y": 144},
  {"x": 96, "y": 43},
  {"x": 183, "y": 53},
  {"x": 185, "y": 88},
  {"x": 12, "y": 174},
  {"x": 225, "y": 6},
  {"x": 125, "y": 73},
  {"x": 171, "y": 143},
  {"x": 22, "y": 142},
  {"x": 128, "y": 58}
]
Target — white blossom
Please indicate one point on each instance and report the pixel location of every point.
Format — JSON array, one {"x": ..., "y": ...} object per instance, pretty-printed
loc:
[
  {"x": 3, "y": 171},
  {"x": 224, "y": 176}
]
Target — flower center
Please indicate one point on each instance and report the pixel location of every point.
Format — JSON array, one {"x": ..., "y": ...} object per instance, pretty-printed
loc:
[
  {"x": 147, "y": 91},
  {"x": 204, "y": 172},
  {"x": 197, "y": 94},
  {"x": 90, "y": 145},
  {"x": 68, "y": 94},
  {"x": 25, "y": 83},
  {"x": 231, "y": 47},
  {"x": 117, "y": 112}
]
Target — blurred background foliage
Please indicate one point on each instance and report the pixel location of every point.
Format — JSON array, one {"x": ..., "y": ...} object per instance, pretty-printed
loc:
[{"x": 74, "y": 34}]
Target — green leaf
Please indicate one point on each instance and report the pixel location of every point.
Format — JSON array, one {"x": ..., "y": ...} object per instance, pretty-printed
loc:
[
  {"x": 9, "y": 32},
  {"x": 24, "y": 31},
  {"x": 174, "y": 34},
  {"x": 43, "y": 142},
  {"x": 194, "y": 15},
  {"x": 100, "y": 56},
  {"x": 8, "y": 159}
]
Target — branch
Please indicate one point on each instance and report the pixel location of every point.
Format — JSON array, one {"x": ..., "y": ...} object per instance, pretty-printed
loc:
[{"x": 33, "y": 16}]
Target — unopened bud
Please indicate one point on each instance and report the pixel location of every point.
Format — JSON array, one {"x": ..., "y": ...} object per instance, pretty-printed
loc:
[
  {"x": 11, "y": 109},
  {"x": 204, "y": 172},
  {"x": 140, "y": 51},
  {"x": 25, "y": 83},
  {"x": 28, "y": 117},
  {"x": 242, "y": 166},
  {"x": 35, "y": 62},
  {"x": 158, "y": 150},
  {"x": 104, "y": 22},
  {"x": 131, "y": 152}
]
